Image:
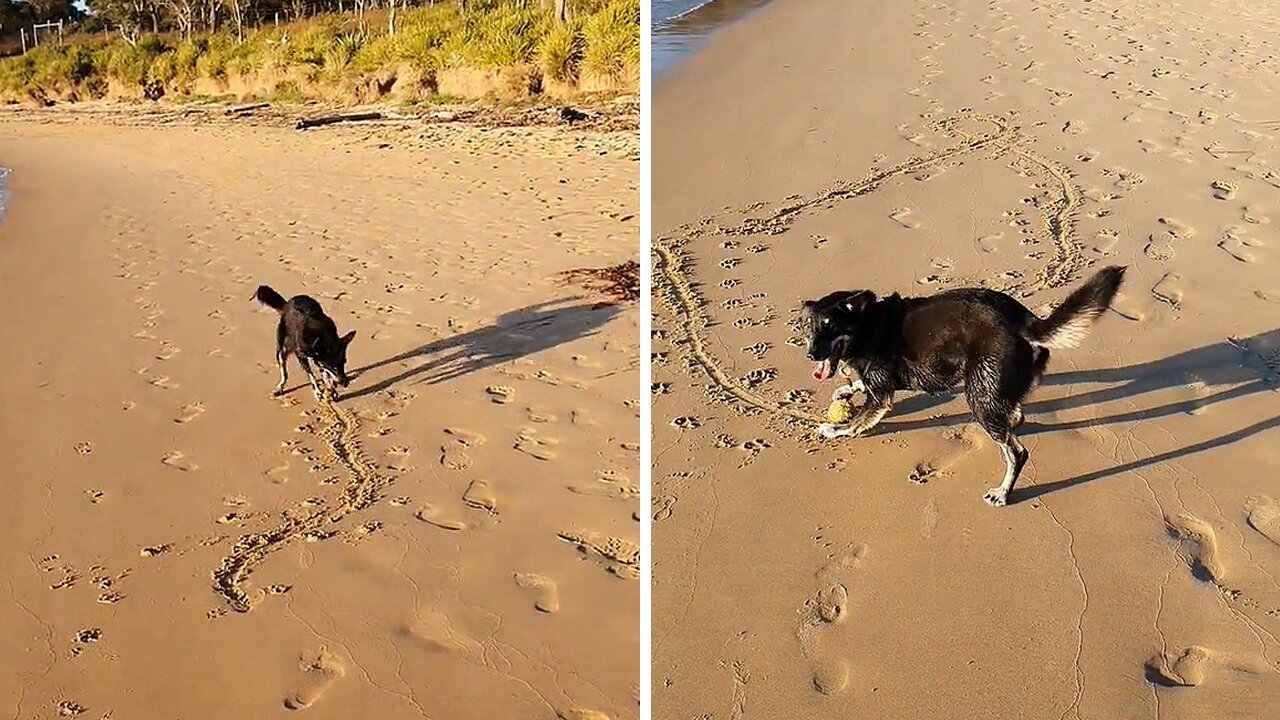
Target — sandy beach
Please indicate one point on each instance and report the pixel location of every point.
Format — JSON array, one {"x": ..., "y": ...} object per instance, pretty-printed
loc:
[
  {"x": 1018, "y": 145},
  {"x": 454, "y": 538}
]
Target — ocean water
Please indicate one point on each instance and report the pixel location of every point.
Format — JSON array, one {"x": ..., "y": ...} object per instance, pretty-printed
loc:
[{"x": 681, "y": 27}]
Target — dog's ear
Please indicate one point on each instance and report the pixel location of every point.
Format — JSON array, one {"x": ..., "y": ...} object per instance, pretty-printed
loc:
[
  {"x": 857, "y": 302},
  {"x": 346, "y": 339}
]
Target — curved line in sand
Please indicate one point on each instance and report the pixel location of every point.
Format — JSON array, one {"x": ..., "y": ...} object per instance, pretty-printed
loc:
[{"x": 341, "y": 437}]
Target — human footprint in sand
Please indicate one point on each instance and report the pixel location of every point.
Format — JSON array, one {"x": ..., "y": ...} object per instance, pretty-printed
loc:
[{"x": 983, "y": 339}]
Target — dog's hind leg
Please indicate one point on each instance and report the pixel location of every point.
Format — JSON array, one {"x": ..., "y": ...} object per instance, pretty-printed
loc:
[
  {"x": 998, "y": 419},
  {"x": 1015, "y": 457},
  {"x": 1038, "y": 366},
  {"x": 995, "y": 406}
]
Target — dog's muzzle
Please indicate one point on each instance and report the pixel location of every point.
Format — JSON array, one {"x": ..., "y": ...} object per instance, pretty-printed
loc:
[{"x": 825, "y": 369}]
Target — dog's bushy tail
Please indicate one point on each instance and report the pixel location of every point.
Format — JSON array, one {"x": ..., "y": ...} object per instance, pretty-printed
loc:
[
  {"x": 270, "y": 298},
  {"x": 1068, "y": 325}
]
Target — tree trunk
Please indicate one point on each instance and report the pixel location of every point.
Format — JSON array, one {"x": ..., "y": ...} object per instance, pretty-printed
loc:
[{"x": 237, "y": 17}]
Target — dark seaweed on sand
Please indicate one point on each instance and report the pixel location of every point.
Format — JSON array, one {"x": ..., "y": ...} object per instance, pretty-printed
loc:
[{"x": 620, "y": 283}]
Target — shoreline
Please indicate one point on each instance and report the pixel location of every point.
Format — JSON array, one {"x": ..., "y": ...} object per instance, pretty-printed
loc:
[{"x": 677, "y": 39}]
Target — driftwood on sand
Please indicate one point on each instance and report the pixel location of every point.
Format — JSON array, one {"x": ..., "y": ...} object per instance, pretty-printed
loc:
[
  {"x": 242, "y": 109},
  {"x": 311, "y": 122}
]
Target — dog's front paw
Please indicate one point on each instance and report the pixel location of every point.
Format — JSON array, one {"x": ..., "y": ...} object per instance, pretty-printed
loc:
[
  {"x": 844, "y": 392},
  {"x": 831, "y": 431},
  {"x": 996, "y": 497}
]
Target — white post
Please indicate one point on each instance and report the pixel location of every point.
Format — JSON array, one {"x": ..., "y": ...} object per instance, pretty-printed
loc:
[
  {"x": 35, "y": 37},
  {"x": 24, "y": 40}
]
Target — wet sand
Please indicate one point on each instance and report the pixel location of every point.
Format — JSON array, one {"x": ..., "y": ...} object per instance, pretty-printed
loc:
[
  {"x": 454, "y": 538},
  {"x": 920, "y": 146}
]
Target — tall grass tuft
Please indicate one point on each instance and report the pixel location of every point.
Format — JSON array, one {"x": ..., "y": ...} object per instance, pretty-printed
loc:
[
  {"x": 613, "y": 46},
  {"x": 603, "y": 40},
  {"x": 562, "y": 50}
]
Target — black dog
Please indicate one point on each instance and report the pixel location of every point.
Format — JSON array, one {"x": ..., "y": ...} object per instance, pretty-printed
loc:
[
  {"x": 984, "y": 339},
  {"x": 309, "y": 334}
]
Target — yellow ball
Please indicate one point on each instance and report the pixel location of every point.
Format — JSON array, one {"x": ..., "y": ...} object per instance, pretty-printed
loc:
[{"x": 838, "y": 412}]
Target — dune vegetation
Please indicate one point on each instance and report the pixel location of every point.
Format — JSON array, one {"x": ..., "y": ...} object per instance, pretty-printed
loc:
[{"x": 503, "y": 49}]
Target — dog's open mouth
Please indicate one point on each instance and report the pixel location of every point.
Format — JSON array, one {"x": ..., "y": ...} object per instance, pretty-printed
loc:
[{"x": 824, "y": 369}]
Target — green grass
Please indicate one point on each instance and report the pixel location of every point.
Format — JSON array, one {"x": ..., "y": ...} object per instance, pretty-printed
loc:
[
  {"x": 611, "y": 49},
  {"x": 603, "y": 40},
  {"x": 561, "y": 52}
]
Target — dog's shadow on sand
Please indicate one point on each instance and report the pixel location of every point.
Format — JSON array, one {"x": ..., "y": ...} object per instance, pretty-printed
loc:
[
  {"x": 515, "y": 334},
  {"x": 1227, "y": 371}
]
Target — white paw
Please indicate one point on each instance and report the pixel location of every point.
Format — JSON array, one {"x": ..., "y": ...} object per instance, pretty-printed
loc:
[
  {"x": 832, "y": 431},
  {"x": 995, "y": 497}
]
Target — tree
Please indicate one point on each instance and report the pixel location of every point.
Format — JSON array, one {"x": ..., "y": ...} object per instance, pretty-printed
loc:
[
  {"x": 44, "y": 10},
  {"x": 184, "y": 14},
  {"x": 14, "y": 15},
  {"x": 238, "y": 9},
  {"x": 128, "y": 16}
]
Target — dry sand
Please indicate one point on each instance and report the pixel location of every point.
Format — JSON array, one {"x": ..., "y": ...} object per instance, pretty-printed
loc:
[
  {"x": 454, "y": 539},
  {"x": 916, "y": 146}
]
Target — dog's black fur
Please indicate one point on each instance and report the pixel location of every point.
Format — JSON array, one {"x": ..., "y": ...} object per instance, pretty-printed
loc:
[
  {"x": 983, "y": 339},
  {"x": 310, "y": 335}
]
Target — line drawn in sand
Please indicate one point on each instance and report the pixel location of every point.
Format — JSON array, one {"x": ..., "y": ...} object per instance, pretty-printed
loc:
[{"x": 340, "y": 432}]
